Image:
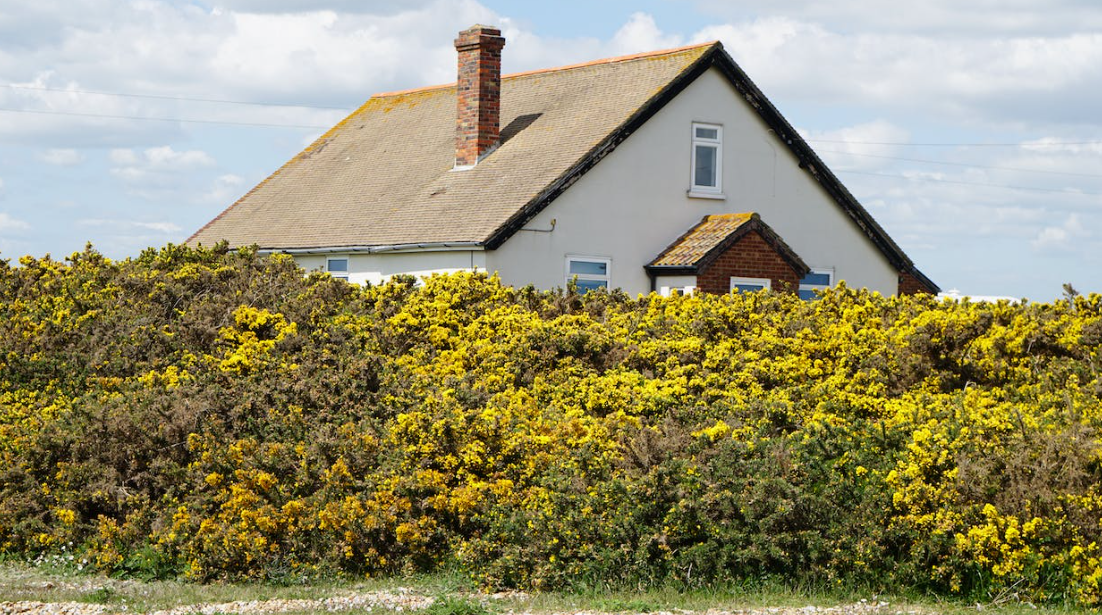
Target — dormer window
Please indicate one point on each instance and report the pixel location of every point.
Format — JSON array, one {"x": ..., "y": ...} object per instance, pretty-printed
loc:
[{"x": 707, "y": 161}]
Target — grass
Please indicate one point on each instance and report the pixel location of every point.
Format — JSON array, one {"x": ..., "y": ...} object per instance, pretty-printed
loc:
[{"x": 456, "y": 596}]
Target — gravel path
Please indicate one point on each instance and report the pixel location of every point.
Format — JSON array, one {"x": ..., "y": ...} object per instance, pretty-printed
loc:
[
  {"x": 388, "y": 600},
  {"x": 393, "y": 601}
]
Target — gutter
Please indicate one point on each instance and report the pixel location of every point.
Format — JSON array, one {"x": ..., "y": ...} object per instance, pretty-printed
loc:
[{"x": 438, "y": 246}]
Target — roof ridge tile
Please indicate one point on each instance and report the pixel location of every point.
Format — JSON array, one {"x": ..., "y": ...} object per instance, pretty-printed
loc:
[{"x": 554, "y": 69}]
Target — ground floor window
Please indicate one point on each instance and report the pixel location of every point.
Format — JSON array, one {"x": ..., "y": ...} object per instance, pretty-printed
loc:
[
  {"x": 337, "y": 266},
  {"x": 590, "y": 272},
  {"x": 816, "y": 279},
  {"x": 749, "y": 284}
]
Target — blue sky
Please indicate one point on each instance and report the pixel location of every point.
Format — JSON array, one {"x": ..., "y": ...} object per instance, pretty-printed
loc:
[{"x": 969, "y": 128}]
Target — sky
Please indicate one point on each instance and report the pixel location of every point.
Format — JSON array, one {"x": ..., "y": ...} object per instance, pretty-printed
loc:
[{"x": 970, "y": 129}]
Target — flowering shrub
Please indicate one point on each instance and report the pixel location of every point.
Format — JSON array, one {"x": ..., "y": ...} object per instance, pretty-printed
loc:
[{"x": 215, "y": 414}]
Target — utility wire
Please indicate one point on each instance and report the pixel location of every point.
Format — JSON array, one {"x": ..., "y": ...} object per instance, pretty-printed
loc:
[
  {"x": 961, "y": 164},
  {"x": 170, "y": 97},
  {"x": 160, "y": 119},
  {"x": 964, "y": 183},
  {"x": 902, "y": 143}
]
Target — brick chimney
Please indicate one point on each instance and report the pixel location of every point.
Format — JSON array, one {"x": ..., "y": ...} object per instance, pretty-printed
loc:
[{"x": 478, "y": 91}]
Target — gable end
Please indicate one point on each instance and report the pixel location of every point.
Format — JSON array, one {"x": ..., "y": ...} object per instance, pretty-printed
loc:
[
  {"x": 808, "y": 160},
  {"x": 602, "y": 149}
]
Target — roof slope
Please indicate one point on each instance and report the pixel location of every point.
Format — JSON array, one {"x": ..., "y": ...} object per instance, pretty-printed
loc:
[
  {"x": 383, "y": 176},
  {"x": 714, "y": 235}
]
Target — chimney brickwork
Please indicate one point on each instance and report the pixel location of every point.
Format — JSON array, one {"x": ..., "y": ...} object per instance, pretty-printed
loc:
[{"x": 478, "y": 90}]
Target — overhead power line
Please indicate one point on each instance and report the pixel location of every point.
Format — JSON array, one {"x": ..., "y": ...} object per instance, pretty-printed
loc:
[
  {"x": 160, "y": 119},
  {"x": 172, "y": 97},
  {"x": 909, "y": 144},
  {"x": 961, "y": 164},
  {"x": 966, "y": 183}
]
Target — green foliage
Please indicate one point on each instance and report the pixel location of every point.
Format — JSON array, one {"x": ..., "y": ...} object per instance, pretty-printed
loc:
[
  {"x": 215, "y": 414},
  {"x": 451, "y": 605}
]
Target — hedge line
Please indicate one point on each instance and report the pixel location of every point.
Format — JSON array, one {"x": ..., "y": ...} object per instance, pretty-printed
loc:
[{"x": 218, "y": 414}]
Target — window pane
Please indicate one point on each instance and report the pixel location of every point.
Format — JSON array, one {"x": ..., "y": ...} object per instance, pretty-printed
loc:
[
  {"x": 705, "y": 172},
  {"x": 585, "y": 286},
  {"x": 707, "y": 133},
  {"x": 806, "y": 295},
  {"x": 748, "y": 287},
  {"x": 588, "y": 268},
  {"x": 821, "y": 279},
  {"x": 338, "y": 264}
]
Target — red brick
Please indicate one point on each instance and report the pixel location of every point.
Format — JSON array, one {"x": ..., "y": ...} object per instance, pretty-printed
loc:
[
  {"x": 478, "y": 93},
  {"x": 749, "y": 257}
]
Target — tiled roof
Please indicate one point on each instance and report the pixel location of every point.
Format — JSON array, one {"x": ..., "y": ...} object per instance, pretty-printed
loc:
[
  {"x": 706, "y": 236},
  {"x": 712, "y": 236},
  {"x": 383, "y": 176}
]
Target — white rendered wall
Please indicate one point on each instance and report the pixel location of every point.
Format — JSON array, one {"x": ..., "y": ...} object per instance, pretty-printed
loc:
[
  {"x": 377, "y": 268},
  {"x": 633, "y": 204}
]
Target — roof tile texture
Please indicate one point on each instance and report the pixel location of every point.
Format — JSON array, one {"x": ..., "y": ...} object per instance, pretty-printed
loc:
[
  {"x": 384, "y": 175},
  {"x": 701, "y": 239}
]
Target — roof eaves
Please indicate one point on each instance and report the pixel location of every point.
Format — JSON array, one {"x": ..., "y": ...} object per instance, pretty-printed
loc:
[{"x": 725, "y": 244}]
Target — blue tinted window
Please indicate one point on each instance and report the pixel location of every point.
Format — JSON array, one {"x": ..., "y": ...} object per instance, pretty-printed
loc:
[
  {"x": 585, "y": 286},
  {"x": 338, "y": 265},
  {"x": 821, "y": 279},
  {"x": 588, "y": 268},
  {"x": 707, "y": 133},
  {"x": 705, "y": 174},
  {"x": 806, "y": 295},
  {"x": 748, "y": 287}
]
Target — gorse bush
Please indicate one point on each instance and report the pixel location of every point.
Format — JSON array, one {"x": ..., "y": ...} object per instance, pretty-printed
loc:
[{"x": 218, "y": 414}]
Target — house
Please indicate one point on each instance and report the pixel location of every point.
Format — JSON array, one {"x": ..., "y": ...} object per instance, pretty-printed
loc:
[{"x": 666, "y": 171}]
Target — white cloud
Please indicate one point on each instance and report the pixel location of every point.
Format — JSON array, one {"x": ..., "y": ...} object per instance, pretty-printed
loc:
[
  {"x": 160, "y": 173},
  {"x": 1055, "y": 79},
  {"x": 225, "y": 189},
  {"x": 641, "y": 34},
  {"x": 9, "y": 224},
  {"x": 61, "y": 157},
  {"x": 156, "y": 165},
  {"x": 1061, "y": 238},
  {"x": 943, "y": 18},
  {"x": 164, "y": 228},
  {"x": 123, "y": 156},
  {"x": 1066, "y": 146},
  {"x": 862, "y": 146}
]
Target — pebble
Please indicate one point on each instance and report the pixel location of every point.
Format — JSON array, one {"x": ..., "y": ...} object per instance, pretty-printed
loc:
[{"x": 398, "y": 600}]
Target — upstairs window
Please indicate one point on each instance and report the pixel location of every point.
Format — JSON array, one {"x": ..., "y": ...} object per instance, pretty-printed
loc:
[
  {"x": 591, "y": 272},
  {"x": 707, "y": 163},
  {"x": 816, "y": 279},
  {"x": 337, "y": 267}
]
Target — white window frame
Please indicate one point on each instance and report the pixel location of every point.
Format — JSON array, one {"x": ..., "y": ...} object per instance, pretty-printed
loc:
[
  {"x": 764, "y": 283},
  {"x": 606, "y": 278},
  {"x": 340, "y": 275},
  {"x": 819, "y": 270},
  {"x": 669, "y": 291},
  {"x": 696, "y": 190}
]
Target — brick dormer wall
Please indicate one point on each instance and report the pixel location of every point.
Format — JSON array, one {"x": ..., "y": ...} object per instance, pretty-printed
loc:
[
  {"x": 911, "y": 285},
  {"x": 749, "y": 257}
]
